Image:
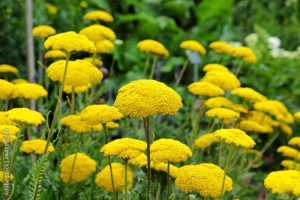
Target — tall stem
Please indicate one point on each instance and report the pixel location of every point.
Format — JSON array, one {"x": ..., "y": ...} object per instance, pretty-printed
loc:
[
  {"x": 168, "y": 179},
  {"x": 155, "y": 59},
  {"x": 182, "y": 72},
  {"x": 147, "y": 64},
  {"x": 147, "y": 131},
  {"x": 14, "y": 152},
  {"x": 226, "y": 169},
  {"x": 126, "y": 187}
]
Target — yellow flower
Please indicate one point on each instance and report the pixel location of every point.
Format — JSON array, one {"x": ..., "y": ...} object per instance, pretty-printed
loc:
[
  {"x": 7, "y": 90},
  {"x": 289, "y": 152},
  {"x": 219, "y": 102},
  {"x": 103, "y": 178},
  {"x": 5, "y": 68},
  {"x": 54, "y": 54},
  {"x": 164, "y": 167},
  {"x": 26, "y": 116},
  {"x": 236, "y": 137},
  {"x": 153, "y": 47},
  {"x": 30, "y": 91},
  {"x": 84, "y": 166},
  {"x": 205, "y": 178},
  {"x": 220, "y": 47},
  {"x": 215, "y": 67},
  {"x": 97, "y": 33},
  {"x": 249, "y": 94},
  {"x": 18, "y": 81},
  {"x": 193, "y": 45},
  {"x": 111, "y": 125},
  {"x": 4, "y": 119},
  {"x": 286, "y": 129},
  {"x": 75, "y": 123},
  {"x": 43, "y": 31},
  {"x": 7, "y": 139},
  {"x": 206, "y": 140},
  {"x": 295, "y": 141},
  {"x": 11, "y": 177},
  {"x": 169, "y": 150},
  {"x": 8, "y": 133},
  {"x": 104, "y": 46},
  {"x": 140, "y": 160},
  {"x": 70, "y": 42},
  {"x": 252, "y": 126},
  {"x": 225, "y": 80},
  {"x": 266, "y": 107},
  {"x": 245, "y": 52},
  {"x": 205, "y": 89},
  {"x": 222, "y": 113},
  {"x": 35, "y": 146},
  {"x": 290, "y": 164},
  {"x": 284, "y": 181},
  {"x": 98, "y": 15},
  {"x": 143, "y": 98},
  {"x": 261, "y": 118},
  {"x": 51, "y": 8},
  {"x": 297, "y": 115},
  {"x": 84, "y": 4},
  {"x": 94, "y": 61},
  {"x": 125, "y": 148},
  {"x": 100, "y": 114}
]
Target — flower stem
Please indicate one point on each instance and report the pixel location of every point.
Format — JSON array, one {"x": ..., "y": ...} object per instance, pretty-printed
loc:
[
  {"x": 126, "y": 186},
  {"x": 182, "y": 72},
  {"x": 239, "y": 67},
  {"x": 155, "y": 59},
  {"x": 168, "y": 179},
  {"x": 147, "y": 64},
  {"x": 14, "y": 152},
  {"x": 229, "y": 156},
  {"x": 146, "y": 127}
]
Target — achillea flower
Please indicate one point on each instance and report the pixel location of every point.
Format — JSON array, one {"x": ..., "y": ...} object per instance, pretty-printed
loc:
[
  {"x": 249, "y": 94},
  {"x": 252, "y": 126},
  {"x": 100, "y": 114},
  {"x": 11, "y": 177},
  {"x": 206, "y": 140},
  {"x": 220, "y": 47},
  {"x": 286, "y": 129},
  {"x": 25, "y": 115},
  {"x": 125, "y": 148},
  {"x": 4, "y": 139},
  {"x": 225, "y": 80},
  {"x": 97, "y": 33},
  {"x": 294, "y": 141},
  {"x": 76, "y": 124},
  {"x": 140, "y": 160},
  {"x": 169, "y": 150},
  {"x": 95, "y": 61},
  {"x": 103, "y": 178},
  {"x": 5, "y": 68},
  {"x": 10, "y": 129},
  {"x": 84, "y": 166},
  {"x": 266, "y": 107},
  {"x": 100, "y": 15},
  {"x": 215, "y": 67},
  {"x": 104, "y": 46},
  {"x": 35, "y": 146},
  {"x": 52, "y": 9},
  {"x": 111, "y": 125},
  {"x": 84, "y": 4},
  {"x": 70, "y": 42},
  {"x": 206, "y": 179},
  {"x": 290, "y": 164},
  {"x": 284, "y": 181},
  {"x": 193, "y": 45},
  {"x": 7, "y": 90},
  {"x": 289, "y": 152},
  {"x": 18, "y": 81},
  {"x": 297, "y": 115},
  {"x": 261, "y": 118},
  {"x": 204, "y": 88},
  {"x": 164, "y": 167},
  {"x": 236, "y": 137},
  {"x": 54, "y": 54},
  {"x": 4, "y": 119},
  {"x": 153, "y": 47},
  {"x": 30, "y": 91},
  {"x": 222, "y": 102},
  {"x": 43, "y": 31},
  {"x": 222, "y": 113},
  {"x": 245, "y": 53}
]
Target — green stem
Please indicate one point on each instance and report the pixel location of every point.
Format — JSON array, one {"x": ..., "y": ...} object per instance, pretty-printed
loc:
[
  {"x": 196, "y": 123},
  {"x": 155, "y": 59},
  {"x": 168, "y": 179},
  {"x": 239, "y": 67},
  {"x": 226, "y": 169},
  {"x": 126, "y": 187},
  {"x": 220, "y": 153},
  {"x": 147, "y": 64},
  {"x": 147, "y": 132},
  {"x": 182, "y": 72},
  {"x": 14, "y": 152}
]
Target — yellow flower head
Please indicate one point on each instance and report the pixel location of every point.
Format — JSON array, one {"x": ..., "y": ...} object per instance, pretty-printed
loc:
[
  {"x": 236, "y": 137},
  {"x": 54, "y": 54},
  {"x": 222, "y": 102},
  {"x": 11, "y": 177},
  {"x": 103, "y": 178},
  {"x": 297, "y": 115},
  {"x": 26, "y": 116},
  {"x": 143, "y": 98},
  {"x": 84, "y": 4},
  {"x": 98, "y": 15},
  {"x": 289, "y": 152},
  {"x": 43, "y": 31},
  {"x": 220, "y": 47},
  {"x": 4, "y": 119},
  {"x": 164, "y": 168},
  {"x": 94, "y": 61},
  {"x": 140, "y": 160},
  {"x": 18, "y": 81},
  {"x": 225, "y": 80},
  {"x": 169, "y": 150},
  {"x": 261, "y": 118},
  {"x": 125, "y": 148},
  {"x": 205, "y": 178},
  {"x": 245, "y": 52},
  {"x": 35, "y": 146},
  {"x": 290, "y": 164},
  {"x": 104, "y": 46},
  {"x": 294, "y": 141},
  {"x": 286, "y": 129},
  {"x": 52, "y": 9},
  {"x": 100, "y": 114},
  {"x": 111, "y": 125},
  {"x": 249, "y": 94},
  {"x": 7, "y": 90},
  {"x": 70, "y": 42},
  {"x": 76, "y": 124},
  {"x": 5, "y": 68},
  {"x": 206, "y": 140},
  {"x": 97, "y": 33},
  {"x": 204, "y": 88},
  {"x": 84, "y": 166},
  {"x": 153, "y": 47},
  {"x": 193, "y": 45},
  {"x": 8, "y": 133},
  {"x": 252, "y": 126},
  {"x": 30, "y": 91},
  {"x": 215, "y": 67},
  {"x": 284, "y": 181},
  {"x": 222, "y": 114}
]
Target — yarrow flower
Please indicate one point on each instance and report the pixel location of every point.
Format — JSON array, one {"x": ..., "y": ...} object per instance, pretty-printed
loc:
[
  {"x": 297, "y": 115},
  {"x": 143, "y": 98},
  {"x": 286, "y": 129},
  {"x": 35, "y": 146},
  {"x": 2, "y": 175},
  {"x": 204, "y": 88},
  {"x": 8, "y": 133},
  {"x": 30, "y": 91},
  {"x": 290, "y": 164},
  {"x": 26, "y": 116},
  {"x": 4, "y": 120},
  {"x": 235, "y": 137},
  {"x": 54, "y": 54},
  {"x": 7, "y": 90},
  {"x": 289, "y": 152},
  {"x": 153, "y": 47},
  {"x": 205, "y": 178},
  {"x": 294, "y": 141},
  {"x": 43, "y": 31},
  {"x": 125, "y": 148},
  {"x": 95, "y": 61},
  {"x": 225, "y": 80},
  {"x": 52, "y": 9},
  {"x": 245, "y": 53},
  {"x": 100, "y": 15},
  {"x": 84, "y": 166},
  {"x": 104, "y": 46},
  {"x": 111, "y": 125},
  {"x": 252, "y": 126},
  {"x": 18, "y": 81},
  {"x": 222, "y": 102},
  {"x": 215, "y": 67},
  {"x": 220, "y": 47},
  {"x": 5, "y": 68},
  {"x": 76, "y": 124},
  {"x": 249, "y": 94},
  {"x": 97, "y": 33},
  {"x": 222, "y": 113},
  {"x": 169, "y": 150},
  {"x": 193, "y": 45},
  {"x": 261, "y": 118},
  {"x": 206, "y": 140},
  {"x": 103, "y": 178}
]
